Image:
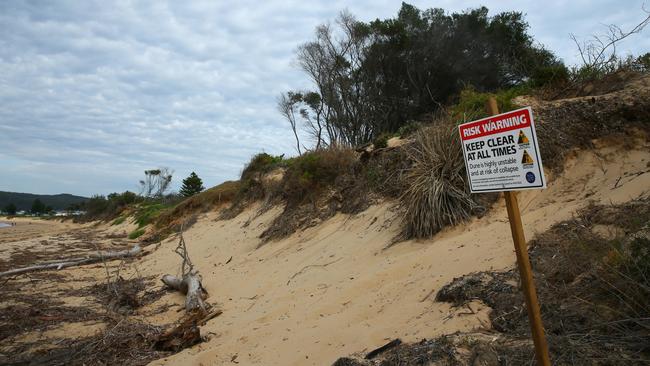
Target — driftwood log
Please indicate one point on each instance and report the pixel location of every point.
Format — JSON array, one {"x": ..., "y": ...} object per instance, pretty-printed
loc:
[
  {"x": 190, "y": 286},
  {"x": 189, "y": 283},
  {"x": 197, "y": 311},
  {"x": 79, "y": 261}
]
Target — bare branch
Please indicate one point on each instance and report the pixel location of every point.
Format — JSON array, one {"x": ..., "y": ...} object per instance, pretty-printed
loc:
[{"x": 600, "y": 52}]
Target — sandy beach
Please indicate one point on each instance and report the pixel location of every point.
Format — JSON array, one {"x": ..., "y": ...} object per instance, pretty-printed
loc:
[{"x": 26, "y": 228}]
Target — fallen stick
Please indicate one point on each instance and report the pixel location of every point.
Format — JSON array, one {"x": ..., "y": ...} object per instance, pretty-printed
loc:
[
  {"x": 392, "y": 344},
  {"x": 311, "y": 266},
  {"x": 79, "y": 261}
]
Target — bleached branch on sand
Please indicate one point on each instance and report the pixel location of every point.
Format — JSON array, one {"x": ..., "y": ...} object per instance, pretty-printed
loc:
[
  {"x": 190, "y": 281},
  {"x": 79, "y": 261}
]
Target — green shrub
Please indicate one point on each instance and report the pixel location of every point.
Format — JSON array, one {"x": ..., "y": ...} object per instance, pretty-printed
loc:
[
  {"x": 124, "y": 198},
  {"x": 471, "y": 103},
  {"x": 147, "y": 212},
  {"x": 316, "y": 186},
  {"x": 549, "y": 75},
  {"x": 96, "y": 206},
  {"x": 310, "y": 173},
  {"x": 260, "y": 163},
  {"x": 119, "y": 220},
  {"x": 251, "y": 187},
  {"x": 590, "y": 73},
  {"x": 100, "y": 207},
  {"x": 436, "y": 192},
  {"x": 136, "y": 233}
]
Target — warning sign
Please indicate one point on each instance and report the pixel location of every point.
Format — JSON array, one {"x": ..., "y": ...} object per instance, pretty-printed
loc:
[{"x": 501, "y": 152}]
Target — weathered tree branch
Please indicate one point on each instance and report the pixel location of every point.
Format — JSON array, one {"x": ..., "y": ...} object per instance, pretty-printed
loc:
[
  {"x": 190, "y": 282},
  {"x": 79, "y": 261}
]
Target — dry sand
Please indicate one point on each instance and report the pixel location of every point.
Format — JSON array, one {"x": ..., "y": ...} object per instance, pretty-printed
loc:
[
  {"x": 334, "y": 289},
  {"x": 27, "y": 228}
]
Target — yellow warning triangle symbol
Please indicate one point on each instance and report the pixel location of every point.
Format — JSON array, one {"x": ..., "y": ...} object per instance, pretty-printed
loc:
[
  {"x": 522, "y": 139},
  {"x": 526, "y": 159}
]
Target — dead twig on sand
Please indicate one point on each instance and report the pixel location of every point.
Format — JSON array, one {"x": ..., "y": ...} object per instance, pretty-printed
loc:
[
  {"x": 392, "y": 344},
  {"x": 428, "y": 295},
  {"x": 310, "y": 266}
]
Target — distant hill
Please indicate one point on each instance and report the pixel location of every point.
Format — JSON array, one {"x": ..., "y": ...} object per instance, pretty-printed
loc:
[{"x": 23, "y": 201}]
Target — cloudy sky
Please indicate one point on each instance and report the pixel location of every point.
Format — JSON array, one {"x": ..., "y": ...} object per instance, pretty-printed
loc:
[{"x": 92, "y": 93}]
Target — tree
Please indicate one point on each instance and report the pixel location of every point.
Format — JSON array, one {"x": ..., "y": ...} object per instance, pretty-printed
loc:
[
  {"x": 191, "y": 185},
  {"x": 10, "y": 209},
  {"x": 372, "y": 78},
  {"x": 123, "y": 199},
  {"x": 96, "y": 206},
  {"x": 156, "y": 182},
  {"x": 38, "y": 207},
  {"x": 336, "y": 113},
  {"x": 287, "y": 104}
]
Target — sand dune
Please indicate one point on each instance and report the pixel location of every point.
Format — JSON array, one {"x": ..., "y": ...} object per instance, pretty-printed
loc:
[{"x": 333, "y": 289}]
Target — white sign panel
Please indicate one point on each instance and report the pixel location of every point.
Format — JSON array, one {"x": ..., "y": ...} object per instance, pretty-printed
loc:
[{"x": 501, "y": 153}]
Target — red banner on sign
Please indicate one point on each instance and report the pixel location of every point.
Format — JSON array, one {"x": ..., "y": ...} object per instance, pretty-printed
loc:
[{"x": 496, "y": 124}]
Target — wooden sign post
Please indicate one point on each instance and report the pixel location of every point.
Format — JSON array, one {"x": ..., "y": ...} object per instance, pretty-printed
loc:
[
  {"x": 525, "y": 270},
  {"x": 502, "y": 155}
]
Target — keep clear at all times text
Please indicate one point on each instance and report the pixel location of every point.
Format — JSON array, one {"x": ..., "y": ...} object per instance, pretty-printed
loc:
[{"x": 500, "y": 146}]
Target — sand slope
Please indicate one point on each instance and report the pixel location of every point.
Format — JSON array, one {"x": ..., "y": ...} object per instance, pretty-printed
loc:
[{"x": 332, "y": 290}]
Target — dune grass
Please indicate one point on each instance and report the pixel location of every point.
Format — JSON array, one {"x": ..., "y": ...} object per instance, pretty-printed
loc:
[
  {"x": 435, "y": 189},
  {"x": 136, "y": 233}
]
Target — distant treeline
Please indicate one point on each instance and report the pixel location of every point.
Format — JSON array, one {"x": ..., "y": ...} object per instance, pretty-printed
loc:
[{"x": 24, "y": 201}]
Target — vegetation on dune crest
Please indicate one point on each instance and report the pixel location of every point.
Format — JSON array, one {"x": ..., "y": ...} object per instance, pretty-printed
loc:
[
  {"x": 308, "y": 175},
  {"x": 170, "y": 220},
  {"x": 426, "y": 173}
]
